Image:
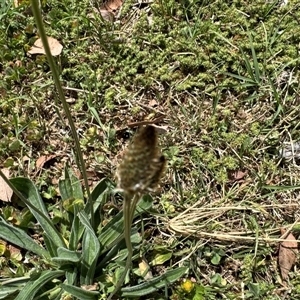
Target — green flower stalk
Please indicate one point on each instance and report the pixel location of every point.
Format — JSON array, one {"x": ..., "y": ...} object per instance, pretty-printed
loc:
[{"x": 139, "y": 172}]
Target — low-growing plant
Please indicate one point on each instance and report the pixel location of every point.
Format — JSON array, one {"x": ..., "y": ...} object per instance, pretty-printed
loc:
[
  {"x": 77, "y": 261},
  {"x": 76, "y": 254}
]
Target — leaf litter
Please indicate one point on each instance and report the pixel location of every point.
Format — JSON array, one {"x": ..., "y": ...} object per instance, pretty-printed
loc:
[
  {"x": 5, "y": 191},
  {"x": 287, "y": 256},
  {"x": 38, "y": 47}
]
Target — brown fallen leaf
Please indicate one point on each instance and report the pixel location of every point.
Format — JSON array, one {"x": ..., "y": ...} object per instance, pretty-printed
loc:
[
  {"x": 5, "y": 191},
  {"x": 110, "y": 8},
  {"x": 92, "y": 287},
  {"x": 153, "y": 103},
  {"x": 15, "y": 252},
  {"x": 38, "y": 47},
  {"x": 144, "y": 268},
  {"x": 237, "y": 175},
  {"x": 43, "y": 159},
  {"x": 107, "y": 15},
  {"x": 112, "y": 5},
  {"x": 287, "y": 256}
]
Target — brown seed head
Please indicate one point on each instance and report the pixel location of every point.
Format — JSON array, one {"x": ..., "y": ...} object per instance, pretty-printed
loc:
[{"x": 143, "y": 164}]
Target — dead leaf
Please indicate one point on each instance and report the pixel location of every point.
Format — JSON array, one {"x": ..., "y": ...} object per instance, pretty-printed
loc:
[
  {"x": 153, "y": 103},
  {"x": 71, "y": 100},
  {"x": 5, "y": 191},
  {"x": 145, "y": 269},
  {"x": 15, "y": 252},
  {"x": 107, "y": 15},
  {"x": 38, "y": 47},
  {"x": 287, "y": 256},
  {"x": 43, "y": 159},
  {"x": 237, "y": 175},
  {"x": 25, "y": 158},
  {"x": 2, "y": 247},
  {"x": 92, "y": 287},
  {"x": 112, "y": 5},
  {"x": 110, "y": 8}
]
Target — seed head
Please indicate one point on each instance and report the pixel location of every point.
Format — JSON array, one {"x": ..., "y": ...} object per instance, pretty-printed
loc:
[{"x": 143, "y": 164}]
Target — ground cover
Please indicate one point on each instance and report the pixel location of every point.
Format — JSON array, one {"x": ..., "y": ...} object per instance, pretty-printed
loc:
[{"x": 221, "y": 82}]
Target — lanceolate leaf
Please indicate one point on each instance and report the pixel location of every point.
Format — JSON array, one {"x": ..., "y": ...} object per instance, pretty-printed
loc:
[
  {"x": 36, "y": 283},
  {"x": 30, "y": 192},
  {"x": 80, "y": 293},
  {"x": 153, "y": 285},
  {"x": 90, "y": 251},
  {"x": 100, "y": 193},
  {"x": 76, "y": 233},
  {"x": 18, "y": 237},
  {"x": 70, "y": 186},
  {"x": 65, "y": 256},
  {"x": 5, "y": 291}
]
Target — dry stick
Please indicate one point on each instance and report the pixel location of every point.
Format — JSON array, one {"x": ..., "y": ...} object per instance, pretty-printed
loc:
[{"x": 128, "y": 213}]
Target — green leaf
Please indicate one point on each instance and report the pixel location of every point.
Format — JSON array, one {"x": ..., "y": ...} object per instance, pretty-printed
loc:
[
  {"x": 8, "y": 290},
  {"x": 80, "y": 293},
  {"x": 255, "y": 62},
  {"x": 51, "y": 247},
  {"x": 12, "y": 286},
  {"x": 90, "y": 251},
  {"x": 242, "y": 78},
  {"x": 199, "y": 293},
  {"x": 70, "y": 186},
  {"x": 113, "y": 230},
  {"x": 99, "y": 194},
  {"x": 161, "y": 258},
  {"x": 30, "y": 192},
  {"x": 27, "y": 217},
  {"x": 254, "y": 289},
  {"x": 281, "y": 188},
  {"x": 36, "y": 283},
  {"x": 66, "y": 256},
  {"x": 216, "y": 259},
  {"x": 71, "y": 255},
  {"x": 154, "y": 284},
  {"x": 119, "y": 251},
  {"x": 18, "y": 237},
  {"x": 73, "y": 205},
  {"x": 71, "y": 275},
  {"x": 76, "y": 233}
]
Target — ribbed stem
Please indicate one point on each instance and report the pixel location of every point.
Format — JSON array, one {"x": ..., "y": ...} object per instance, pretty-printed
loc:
[
  {"x": 41, "y": 29},
  {"x": 128, "y": 213}
]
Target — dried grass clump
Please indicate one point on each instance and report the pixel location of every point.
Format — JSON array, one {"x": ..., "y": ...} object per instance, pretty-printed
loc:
[{"x": 231, "y": 223}]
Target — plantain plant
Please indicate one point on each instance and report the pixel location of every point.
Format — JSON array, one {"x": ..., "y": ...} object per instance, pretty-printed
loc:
[
  {"x": 76, "y": 262},
  {"x": 77, "y": 254}
]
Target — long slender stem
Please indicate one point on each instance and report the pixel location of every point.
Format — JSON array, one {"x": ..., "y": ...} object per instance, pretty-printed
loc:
[
  {"x": 41, "y": 29},
  {"x": 128, "y": 211}
]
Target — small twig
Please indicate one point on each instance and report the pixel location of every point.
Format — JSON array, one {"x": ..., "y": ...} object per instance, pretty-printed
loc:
[{"x": 154, "y": 121}]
